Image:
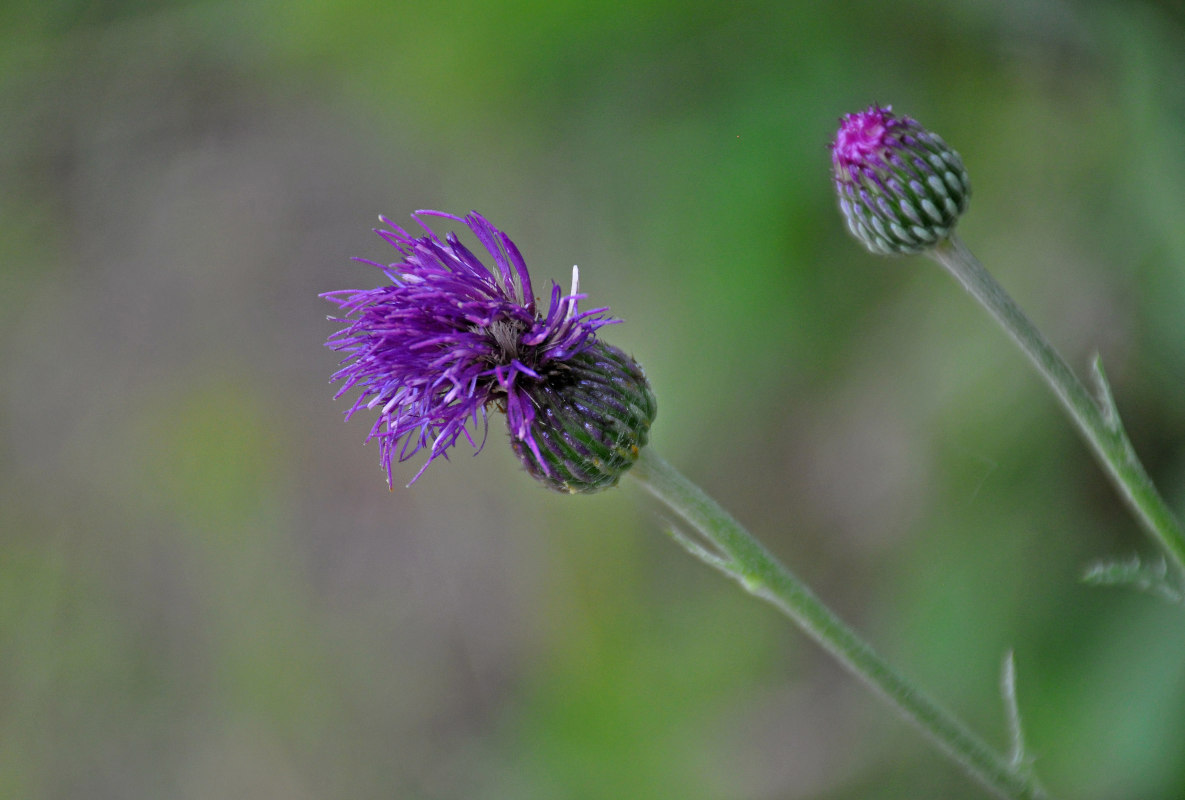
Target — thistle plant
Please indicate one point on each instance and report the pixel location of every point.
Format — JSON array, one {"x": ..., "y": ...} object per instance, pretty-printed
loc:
[
  {"x": 451, "y": 340},
  {"x": 901, "y": 190}
]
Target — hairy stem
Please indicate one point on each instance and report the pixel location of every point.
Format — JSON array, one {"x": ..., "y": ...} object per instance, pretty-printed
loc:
[
  {"x": 1097, "y": 419},
  {"x": 744, "y": 558}
]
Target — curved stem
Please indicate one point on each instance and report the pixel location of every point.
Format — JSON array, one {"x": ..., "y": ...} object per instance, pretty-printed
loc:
[
  {"x": 744, "y": 558},
  {"x": 1098, "y": 420}
]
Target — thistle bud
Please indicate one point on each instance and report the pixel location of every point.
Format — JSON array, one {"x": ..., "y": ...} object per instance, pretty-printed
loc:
[
  {"x": 591, "y": 417},
  {"x": 901, "y": 188}
]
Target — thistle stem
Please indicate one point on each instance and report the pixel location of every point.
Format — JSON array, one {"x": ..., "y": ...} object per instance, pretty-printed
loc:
[
  {"x": 741, "y": 556},
  {"x": 1097, "y": 419}
]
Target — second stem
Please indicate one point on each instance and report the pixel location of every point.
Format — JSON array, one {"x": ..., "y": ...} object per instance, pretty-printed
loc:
[{"x": 1097, "y": 419}]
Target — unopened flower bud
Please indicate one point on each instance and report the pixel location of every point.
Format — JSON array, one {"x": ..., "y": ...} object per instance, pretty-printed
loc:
[
  {"x": 901, "y": 188},
  {"x": 592, "y": 416}
]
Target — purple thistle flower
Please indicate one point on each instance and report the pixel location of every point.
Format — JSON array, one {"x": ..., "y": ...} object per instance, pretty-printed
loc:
[
  {"x": 901, "y": 188},
  {"x": 451, "y": 336}
]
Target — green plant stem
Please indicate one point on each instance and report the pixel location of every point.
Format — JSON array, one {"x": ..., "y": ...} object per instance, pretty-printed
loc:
[
  {"x": 1098, "y": 420},
  {"x": 741, "y": 556}
]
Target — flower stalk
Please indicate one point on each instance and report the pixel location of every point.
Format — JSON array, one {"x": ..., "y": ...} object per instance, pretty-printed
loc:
[
  {"x": 1097, "y": 418},
  {"x": 737, "y": 553}
]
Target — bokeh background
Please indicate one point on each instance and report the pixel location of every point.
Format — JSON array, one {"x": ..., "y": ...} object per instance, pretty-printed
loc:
[{"x": 206, "y": 590}]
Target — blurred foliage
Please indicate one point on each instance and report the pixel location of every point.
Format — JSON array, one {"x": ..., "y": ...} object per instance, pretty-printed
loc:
[{"x": 205, "y": 590}]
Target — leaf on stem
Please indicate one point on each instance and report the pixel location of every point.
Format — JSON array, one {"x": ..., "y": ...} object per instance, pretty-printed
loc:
[
  {"x": 1134, "y": 573},
  {"x": 725, "y": 565},
  {"x": 1104, "y": 397},
  {"x": 1017, "y": 756}
]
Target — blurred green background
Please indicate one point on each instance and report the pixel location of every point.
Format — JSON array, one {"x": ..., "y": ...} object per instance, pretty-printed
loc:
[{"x": 206, "y": 590}]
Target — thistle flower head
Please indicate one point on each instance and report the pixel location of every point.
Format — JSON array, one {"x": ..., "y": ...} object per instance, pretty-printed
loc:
[
  {"x": 450, "y": 337},
  {"x": 592, "y": 419},
  {"x": 901, "y": 188}
]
